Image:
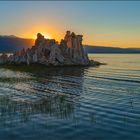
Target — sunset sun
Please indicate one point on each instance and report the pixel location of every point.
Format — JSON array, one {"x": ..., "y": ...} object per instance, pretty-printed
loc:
[{"x": 46, "y": 35}]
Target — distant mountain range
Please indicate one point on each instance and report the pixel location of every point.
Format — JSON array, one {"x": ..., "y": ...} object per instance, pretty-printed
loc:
[
  {"x": 104, "y": 49},
  {"x": 12, "y": 43}
]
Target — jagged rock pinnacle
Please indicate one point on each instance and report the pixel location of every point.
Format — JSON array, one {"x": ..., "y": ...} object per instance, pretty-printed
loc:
[{"x": 70, "y": 51}]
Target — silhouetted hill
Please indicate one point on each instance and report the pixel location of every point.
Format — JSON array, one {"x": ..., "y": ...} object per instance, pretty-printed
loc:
[
  {"x": 13, "y": 43},
  {"x": 102, "y": 49}
]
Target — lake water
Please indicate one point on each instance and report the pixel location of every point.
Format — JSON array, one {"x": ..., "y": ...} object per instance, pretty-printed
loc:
[{"x": 73, "y": 103}]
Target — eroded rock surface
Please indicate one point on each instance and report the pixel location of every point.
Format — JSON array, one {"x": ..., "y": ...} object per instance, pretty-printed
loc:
[{"x": 70, "y": 51}]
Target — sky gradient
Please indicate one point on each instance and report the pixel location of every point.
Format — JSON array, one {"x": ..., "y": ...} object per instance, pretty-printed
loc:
[{"x": 106, "y": 23}]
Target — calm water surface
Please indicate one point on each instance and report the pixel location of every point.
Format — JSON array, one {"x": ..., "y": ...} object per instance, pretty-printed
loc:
[{"x": 73, "y": 103}]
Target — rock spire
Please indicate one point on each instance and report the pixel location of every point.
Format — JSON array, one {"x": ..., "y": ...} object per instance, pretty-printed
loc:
[{"x": 69, "y": 51}]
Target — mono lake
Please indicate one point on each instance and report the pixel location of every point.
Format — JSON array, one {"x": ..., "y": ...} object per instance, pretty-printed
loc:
[{"x": 73, "y": 102}]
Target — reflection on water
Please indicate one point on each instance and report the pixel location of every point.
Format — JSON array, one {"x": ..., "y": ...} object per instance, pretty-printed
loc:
[
  {"x": 27, "y": 97},
  {"x": 13, "y": 113},
  {"x": 46, "y": 92},
  {"x": 72, "y": 102}
]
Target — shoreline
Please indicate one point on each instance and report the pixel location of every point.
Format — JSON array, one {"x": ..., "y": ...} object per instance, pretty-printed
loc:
[{"x": 36, "y": 67}]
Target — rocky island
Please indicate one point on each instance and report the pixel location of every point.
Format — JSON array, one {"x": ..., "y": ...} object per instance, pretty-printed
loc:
[{"x": 49, "y": 52}]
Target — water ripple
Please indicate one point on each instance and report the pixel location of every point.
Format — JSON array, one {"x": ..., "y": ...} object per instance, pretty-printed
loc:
[{"x": 72, "y": 103}]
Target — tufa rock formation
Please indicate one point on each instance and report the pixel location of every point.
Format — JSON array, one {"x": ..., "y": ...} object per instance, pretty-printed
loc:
[{"x": 70, "y": 51}]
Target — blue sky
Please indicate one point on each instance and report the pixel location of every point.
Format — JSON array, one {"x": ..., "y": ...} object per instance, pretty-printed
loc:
[{"x": 109, "y": 23}]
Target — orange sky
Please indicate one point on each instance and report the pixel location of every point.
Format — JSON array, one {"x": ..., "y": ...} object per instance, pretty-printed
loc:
[
  {"x": 99, "y": 39},
  {"x": 87, "y": 39}
]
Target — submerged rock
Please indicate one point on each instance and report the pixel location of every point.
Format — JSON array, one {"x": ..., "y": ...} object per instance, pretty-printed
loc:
[{"x": 70, "y": 51}]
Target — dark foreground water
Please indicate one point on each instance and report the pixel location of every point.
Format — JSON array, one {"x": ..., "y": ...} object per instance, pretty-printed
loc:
[{"x": 73, "y": 103}]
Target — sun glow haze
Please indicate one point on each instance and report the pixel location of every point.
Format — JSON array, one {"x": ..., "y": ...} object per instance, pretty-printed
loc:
[
  {"x": 49, "y": 32},
  {"x": 46, "y": 35}
]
